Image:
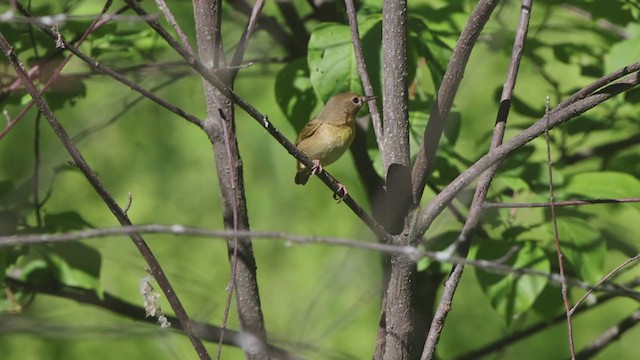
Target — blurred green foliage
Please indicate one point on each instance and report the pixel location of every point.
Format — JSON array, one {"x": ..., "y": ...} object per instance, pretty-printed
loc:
[{"x": 323, "y": 302}]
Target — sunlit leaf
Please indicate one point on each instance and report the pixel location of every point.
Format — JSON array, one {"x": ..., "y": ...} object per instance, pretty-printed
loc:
[{"x": 603, "y": 184}]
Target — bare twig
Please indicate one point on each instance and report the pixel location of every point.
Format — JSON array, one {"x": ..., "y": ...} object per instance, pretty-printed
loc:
[
  {"x": 556, "y": 238},
  {"x": 446, "y": 93},
  {"x": 605, "y": 278},
  {"x": 426, "y": 216},
  {"x": 241, "y": 48},
  {"x": 94, "y": 64},
  {"x": 129, "y": 202},
  {"x": 168, "y": 15},
  {"x": 105, "y": 195},
  {"x": 263, "y": 120},
  {"x": 56, "y": 72},
  {"x": 110, "y": 302},
  {"x": 62, "y": 18},
  {"x": 609, "y": 336},
  {"x": 473, "y": 218},
  {"x": 364, "y": 74},
  {"x": 527, "y": 332},
  {"x": 127, "y": 106},
  {"x": 560, "y": 203},
  {"x": 294, "y": 44},
  {"x": 412, "y": 253},
  {"x": 597, "y": 84}
]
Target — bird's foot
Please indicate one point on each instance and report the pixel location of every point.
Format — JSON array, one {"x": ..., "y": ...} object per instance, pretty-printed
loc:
[
  {"x": 316, "y": 168},
  {"x": 341, "y": 193}
]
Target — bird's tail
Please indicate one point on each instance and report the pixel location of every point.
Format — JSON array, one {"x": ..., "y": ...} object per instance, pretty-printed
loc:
[{"x": 302, "y": 176}]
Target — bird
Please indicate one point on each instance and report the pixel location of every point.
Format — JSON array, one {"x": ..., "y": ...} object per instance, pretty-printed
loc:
[{"x": 327, "y": 137}]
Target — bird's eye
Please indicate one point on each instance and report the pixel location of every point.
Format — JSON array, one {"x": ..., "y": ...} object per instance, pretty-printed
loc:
[{"x": 356, "y": 100}]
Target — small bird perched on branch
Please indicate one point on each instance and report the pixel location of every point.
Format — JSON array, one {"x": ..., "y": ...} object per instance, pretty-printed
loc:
[{"x": 325, "y": 138}]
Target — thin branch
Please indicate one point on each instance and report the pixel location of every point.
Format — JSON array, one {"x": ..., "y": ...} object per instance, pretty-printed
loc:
[
  {"x": 91, "y": 176},
  {"x": 99, "y": 21},
  {"x": 295, "y": 45},
  {"x": 472, "y": 223},
  {"x": 560, "y": 203},
  {"x": 446, "y": 93},
  {"x": 556, "y": 117},
  {"x": 263, "y": 120},
  {"x": 410, "y": 252},
  {"x": 609, "y": 336},
  {"x": 110, "y": 302},
  {"x": 25, "y": 239},
  {"x": 527, "y": 332},
  {"x": 62, "y": 19},
  {"x": 241, "y": 48},
  {"x": 364, "y": 74},
  {"x": 604, "y": 279},
  {"x": 95, "y": 65},
  {"x": 168, "y": 15},
  {"x": 556, "y": 239},
  {"x": 599, "y": 83},
  {"x": 126, "y": 107}
]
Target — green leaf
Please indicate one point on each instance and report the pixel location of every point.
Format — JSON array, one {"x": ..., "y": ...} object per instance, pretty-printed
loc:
[
  {"x": 512, "y": 294},
  {"x": 72, "y": 264},
  {"x": 294, "y": 93},
  {"x": 429, "y": 45},
  {"x": 331, "y": 61},
  {"x": 76, "y": 264},
  {"x": 582, "y": 246},
  {"x": 513, "y": 183},
  {"x": 65, "y": 221},
  {"x": 331, "y": 58},
  {"x": 624, "y": 53},
  {"x": 603, "y": 184}
]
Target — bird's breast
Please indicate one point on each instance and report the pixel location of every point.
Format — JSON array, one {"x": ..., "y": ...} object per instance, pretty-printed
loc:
[{"x": 328, "y": 143}]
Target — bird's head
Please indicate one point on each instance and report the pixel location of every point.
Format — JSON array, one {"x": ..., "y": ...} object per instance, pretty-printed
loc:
[{"x": 349, "y": 103}]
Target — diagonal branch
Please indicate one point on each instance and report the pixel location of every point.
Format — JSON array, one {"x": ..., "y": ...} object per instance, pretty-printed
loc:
[
  {"x": 110, "y": 302},
  {"x": 476, "y": 209},
  {"x": 609, "y": 336},
  {"x": 154, "y": 265},
  {"x": 364, "y": 74},
  {"x": 168, "y": 15},
  {"x": 528, "y": 331},
  {"x": 556, "y": 117},
  {"x": 95, "y": 65},
  {"x": 241, "y": 48},
  {"x": 446, "y": 93},
  {"x": 263, "y": 120}
]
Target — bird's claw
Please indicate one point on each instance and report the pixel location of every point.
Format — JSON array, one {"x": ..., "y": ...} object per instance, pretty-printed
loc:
[
  {"x": 316, "y": 168},
  {"x": 341, "y": 189}
]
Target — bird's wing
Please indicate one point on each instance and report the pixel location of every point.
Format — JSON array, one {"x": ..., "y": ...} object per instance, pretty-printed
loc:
[{"x": 308, "y": 130}]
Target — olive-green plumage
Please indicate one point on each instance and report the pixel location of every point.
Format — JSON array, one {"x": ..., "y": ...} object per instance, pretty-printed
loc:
[{"x": 325, "y": 138}]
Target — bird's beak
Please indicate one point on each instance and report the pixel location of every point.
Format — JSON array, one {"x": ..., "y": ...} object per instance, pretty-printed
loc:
[{"x": 368, "y": 98}]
